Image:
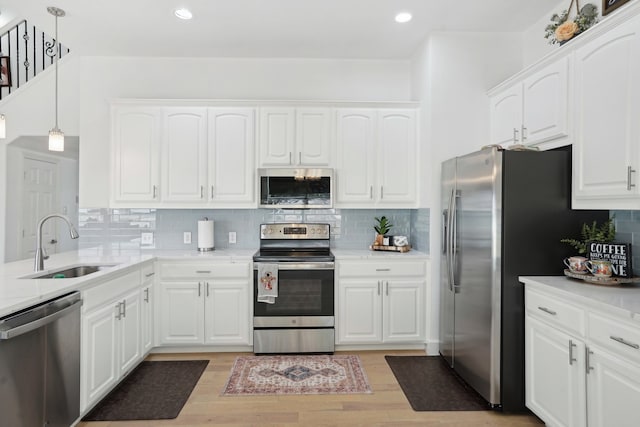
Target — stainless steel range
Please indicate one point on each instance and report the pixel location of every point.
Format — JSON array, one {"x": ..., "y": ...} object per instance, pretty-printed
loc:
[{"x": 293, "y": 303}]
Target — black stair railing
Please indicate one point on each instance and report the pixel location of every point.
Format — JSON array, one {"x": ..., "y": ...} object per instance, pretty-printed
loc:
[{"x": 25, "y": 51}]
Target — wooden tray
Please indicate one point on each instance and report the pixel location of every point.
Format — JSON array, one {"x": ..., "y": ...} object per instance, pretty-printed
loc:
[
  {"x": 406, "y": 248},
  {"x": 605, "y": 281}
]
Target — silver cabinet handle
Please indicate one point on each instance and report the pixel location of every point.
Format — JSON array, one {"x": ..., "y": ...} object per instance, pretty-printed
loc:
[
  {"x": 149, "y": 274},
  {"x": 119, "y": 308},
  {"x": 387, "y": 289},
  {"x": 381, "y": 192},
  {"x": 383, "y": 269},
  {"x": 299, "y": 157},
  {"x": 587, "y": 360},
  {"x": 146, "y": 295},
  {"x": 378, "y": 287},
  {"x": 289, "y": 157},
  {"x": 212, "y": 191},
  {"x": 199, "y": 289},
  {"x": 571, "y": 359},
  {"x": 155, "y": 191},
  {"x": 203, "y": 271},
  {"x": 202, "y": 192},
  {"x": 371, "y": 192},
  {"x": 524, "y": 136},
  {"x": 207, "y": 289},
  {"x": 124, "y": 308},
  {"x": 515, "y": 135},
  {"x": 630, "y": 170},
  {"x": 625, "y": 342},
  {"x": 546, "y": 310}
]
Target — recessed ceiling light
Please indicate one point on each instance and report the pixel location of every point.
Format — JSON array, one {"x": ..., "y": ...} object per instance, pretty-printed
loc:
[
  {"x": 403, "y": 17},
  {"x": 183, "y": 13}
]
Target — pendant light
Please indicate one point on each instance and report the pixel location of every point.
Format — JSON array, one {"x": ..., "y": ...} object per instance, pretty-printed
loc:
[{"x": 56, "y": 136}]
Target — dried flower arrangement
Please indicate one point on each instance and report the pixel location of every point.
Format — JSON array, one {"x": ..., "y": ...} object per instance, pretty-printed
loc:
[{"x": 562, "y": 29}]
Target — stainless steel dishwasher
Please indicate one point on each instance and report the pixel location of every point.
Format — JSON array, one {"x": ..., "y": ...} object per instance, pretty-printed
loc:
[{"x": 40, "y": 364}]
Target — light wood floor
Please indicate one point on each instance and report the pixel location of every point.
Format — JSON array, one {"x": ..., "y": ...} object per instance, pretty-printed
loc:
[{"x": 387, "y": 406}]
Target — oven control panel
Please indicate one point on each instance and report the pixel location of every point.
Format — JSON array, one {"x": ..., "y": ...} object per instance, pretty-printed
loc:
[{"x": 294, "y": 231}]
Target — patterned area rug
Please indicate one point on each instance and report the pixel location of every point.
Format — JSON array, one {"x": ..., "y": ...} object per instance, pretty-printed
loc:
[{"x": 253, "y": 375}]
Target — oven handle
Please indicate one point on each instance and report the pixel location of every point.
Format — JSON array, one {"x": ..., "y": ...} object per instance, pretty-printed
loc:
[{"x": 300, "y": 266}]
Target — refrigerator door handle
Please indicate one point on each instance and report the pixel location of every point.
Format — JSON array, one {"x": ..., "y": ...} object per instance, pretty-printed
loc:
[
  {"x": 449, "y": 239},
  {"x": 454, "y": 235}
]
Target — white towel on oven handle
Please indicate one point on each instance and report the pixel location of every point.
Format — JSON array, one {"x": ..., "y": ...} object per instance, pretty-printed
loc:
[{"x": 267, "y": 282}]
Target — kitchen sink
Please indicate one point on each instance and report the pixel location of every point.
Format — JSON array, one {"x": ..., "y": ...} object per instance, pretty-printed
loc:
[{"x": 71, "y": 272}]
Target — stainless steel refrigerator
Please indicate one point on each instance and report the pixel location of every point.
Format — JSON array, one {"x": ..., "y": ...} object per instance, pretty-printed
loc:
[{"x": 504, "y": 213}]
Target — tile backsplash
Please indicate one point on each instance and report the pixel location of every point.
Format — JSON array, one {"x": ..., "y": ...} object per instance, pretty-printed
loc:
[
  {"x": 628, "y": 231},
  {"x": 122, "y": 229}
]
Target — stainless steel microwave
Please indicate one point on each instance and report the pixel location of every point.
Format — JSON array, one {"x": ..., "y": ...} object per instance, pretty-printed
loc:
[{"x": 296, "y": 188}]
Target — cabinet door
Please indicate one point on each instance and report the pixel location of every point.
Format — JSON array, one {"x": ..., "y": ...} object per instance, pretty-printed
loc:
[
  {"x": 181, "y": 319},
  {"x": 545, "y": 97},
  {"x": 99, "y": 353},
  {"x": 129, "y": 331},
  {"x": 227, "y": 312},
  {"x": 613, "y": 391},
  {"x": 359, "y": 311},
  {"x": 277, "y": 133},
  {"x": 554, "y": 375},
  {"x": 356, "y": 154},
  {"x": 184, "y": 154},
  {"x": 403, "y": 319},
  {"x": 313, "y": 137},
  {"x": 506, "y": 116},
  {"x": 146, "y": 318},
  {"x": 136, "y": 148},
  {"x": 231, "y": 156},
  {"x": 397, "y": 157},
  {"x": 607, "y": 88}
]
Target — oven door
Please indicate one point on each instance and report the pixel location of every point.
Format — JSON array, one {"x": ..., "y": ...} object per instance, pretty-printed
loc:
[{"x": 305, "y": 297}]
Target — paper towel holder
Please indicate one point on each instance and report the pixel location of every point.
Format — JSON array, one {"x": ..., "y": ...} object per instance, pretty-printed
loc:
[{"x": 205, "y": 235}]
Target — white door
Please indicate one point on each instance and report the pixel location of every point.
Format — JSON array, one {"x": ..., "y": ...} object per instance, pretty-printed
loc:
[
  {"x": 130, "y": 340},
  {"x": 182, "y": 313},
  {"x": 545, "y": 96},
  {"x": 99, "y": 353},
  {"x": 397, "y": 158},
  {"x": 39, "y": 191},
  {"x": 607, "y": 88},
  {"x": 136, "y": 153},
  {"x": 356, "y": 156},
  {"x": 276, "y": 138},
  {"x": 613, "y": 390},
  {"x": 184, "y": 154},
  {"x": 555, "y": 375},
  {"x": 506, "y": 116},
  {"x": 227, "y": 312},
  {"x": 360, "y": 311},
  {"x": 231, "y": 156},
  {"x": 402, "y": 311},
  {"x": 313, "y": 137}
]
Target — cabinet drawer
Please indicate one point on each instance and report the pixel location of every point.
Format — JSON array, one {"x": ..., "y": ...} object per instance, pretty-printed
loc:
[
  {"x": 195, "y": 270},
  {"x": 110, "y": 290},
  {"x": 615, "y": 335},
  {"x": 381, "y": 268},
  {"x": 556, "y": 312},
  {"x": 148, "y": 272}
]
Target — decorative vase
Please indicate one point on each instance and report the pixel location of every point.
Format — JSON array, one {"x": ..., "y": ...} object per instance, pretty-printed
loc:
[{"x": 379, "y": 239}]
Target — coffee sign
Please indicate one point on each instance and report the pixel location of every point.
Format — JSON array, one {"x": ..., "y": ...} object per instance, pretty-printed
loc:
[{"x": 619, "y": 254}]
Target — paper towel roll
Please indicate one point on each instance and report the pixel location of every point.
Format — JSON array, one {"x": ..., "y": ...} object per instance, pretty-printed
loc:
[{"x": 205, "y": 235}]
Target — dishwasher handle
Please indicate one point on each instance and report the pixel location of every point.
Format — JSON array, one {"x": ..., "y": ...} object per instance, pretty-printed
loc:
[{"x": 43, "y": 318}]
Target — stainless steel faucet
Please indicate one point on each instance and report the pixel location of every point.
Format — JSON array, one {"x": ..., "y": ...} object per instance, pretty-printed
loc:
[{"x": 41, "y": 254}]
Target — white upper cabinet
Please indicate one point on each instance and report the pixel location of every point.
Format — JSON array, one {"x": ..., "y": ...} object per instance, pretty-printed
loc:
[
  {"x": 376, "y": 157},
  {"x": 136, "y": 153},
  {"x": 607, "y": 96},
  {"x": 184, "y": 154},
  {"x": 534, "y": 110},
  {"x": 295, "y": 136},
  {"x": 231, "y": 156}
]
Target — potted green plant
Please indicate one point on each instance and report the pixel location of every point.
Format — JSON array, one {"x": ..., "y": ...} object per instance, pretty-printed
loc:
[
  {"x": 382, "y": 227},
  {"x": 605, "y": 233}
]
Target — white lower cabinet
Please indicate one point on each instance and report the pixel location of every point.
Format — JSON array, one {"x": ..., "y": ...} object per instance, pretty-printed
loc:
[
  {"x": 381, "y": 302},
  {"x": 582, "y": 366},
  {"x": 111, "y": 335},
  {"x": 204, "y": 303},
  {"x": 146, "y": 311}
]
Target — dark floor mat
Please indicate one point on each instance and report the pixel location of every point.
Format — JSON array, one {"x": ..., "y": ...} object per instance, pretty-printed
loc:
[
  {"x": 155, "y": 390},
  {"x": 431, "y": 385}
]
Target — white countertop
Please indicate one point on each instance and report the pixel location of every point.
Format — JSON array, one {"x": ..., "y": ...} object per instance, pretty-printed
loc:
[
  {"x": 622, "y": 300},
  {"x": 18, "y": 292}
]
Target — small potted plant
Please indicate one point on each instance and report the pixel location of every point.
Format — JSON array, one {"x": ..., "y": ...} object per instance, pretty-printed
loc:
[
  {"x": 382, "y": 227},
  {"x": 605, "y": 233}
]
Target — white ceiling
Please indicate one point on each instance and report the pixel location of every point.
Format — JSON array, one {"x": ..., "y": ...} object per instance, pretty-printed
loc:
[{"x": 268, "y": 28}]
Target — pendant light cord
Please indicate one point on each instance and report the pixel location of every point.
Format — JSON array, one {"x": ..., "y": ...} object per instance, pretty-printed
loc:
[{"x": 56, "y": 65}]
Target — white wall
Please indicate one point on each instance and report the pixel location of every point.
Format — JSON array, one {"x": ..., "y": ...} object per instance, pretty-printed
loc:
[
  {"x": 105, "y": 78},
  {"x": 452, "y": 73},
  {"x": 29, "y": 111}
]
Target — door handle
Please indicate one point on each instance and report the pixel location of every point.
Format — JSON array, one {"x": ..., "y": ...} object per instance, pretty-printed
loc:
[
  {"x": 625, "y": 342},
  {"x": 630, "y": 170},
  {"x": 378, "y": 287},
  {"x": 199, "y": 289},
  {"x": 212, "y": 191},
  {"x": 571, "y": 359},
  {"x": 587, "y": 354},
  {"x": 155, "y": 191},
  {"x": 523, "y": 136},
  {"x": 546, "y": 310},
  {"x": 124, "y": 308},
  {"x": 119, "y": 308},
  {"x": 387, "y": 288},
  {"x": 202, "y": 191},
  {"x": 53, "y": 241},
  {"x": 146, "y": 295},
  {"x": 515, "y": 135},
  {"x": 207, "y": 289}
]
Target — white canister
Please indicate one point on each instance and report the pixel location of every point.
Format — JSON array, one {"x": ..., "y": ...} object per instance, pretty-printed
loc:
[{"x": 205, "y": 235}]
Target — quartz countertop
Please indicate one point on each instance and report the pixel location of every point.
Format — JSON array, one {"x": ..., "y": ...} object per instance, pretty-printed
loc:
[
  {"x": 622, "y": 300},
  {"x": 345, "y": 254}
]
